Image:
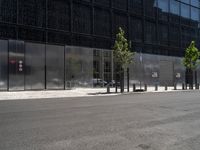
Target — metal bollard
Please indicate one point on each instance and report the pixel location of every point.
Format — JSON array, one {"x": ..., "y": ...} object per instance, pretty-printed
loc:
[
  {"x": 175, "y": 86},
  {"x": 156, "y": 87},
  {"x": 197, "y": 86},
  {"x": 183, "y": 86},
  {"x": 134, "y": 88},
  {"x": 145, "y": 87},
  {"x": 108, "y": 88},
  {"x": 116, "y": 89},
  {"x": 190, "y": 87},
  {"x": 69, "y": 85},
  {"x": 166, "y": 87}
]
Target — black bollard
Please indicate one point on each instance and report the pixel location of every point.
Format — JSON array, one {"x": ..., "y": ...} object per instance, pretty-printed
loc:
[
  {"x": 191, "y": 86},
  {"x": 116, "y": 89},
  {"x": 108, "y": 88},
  {"x": 183, "y": 86},
  {"x": 197, "y": 86},
  {"x": 145, "y": 87},
  {"x": 166, "y": 87},
  {"x": 175, "y": 86},
  {"x": 134, "y": 88},
  {"x": 156, "y": 87}
]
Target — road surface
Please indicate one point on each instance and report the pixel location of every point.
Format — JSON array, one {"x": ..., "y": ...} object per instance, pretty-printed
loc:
[{"x": 152, "y": 121}]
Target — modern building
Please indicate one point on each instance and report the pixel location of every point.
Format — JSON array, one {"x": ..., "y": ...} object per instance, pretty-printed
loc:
[{"x": 52, "y": 44}]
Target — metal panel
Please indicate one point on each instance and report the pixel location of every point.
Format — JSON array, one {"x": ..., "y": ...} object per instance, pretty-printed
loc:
[
  {"x": 16, "y": 65},
  {"x": 166, "y": 73},
  {"x": 35, "y": 66},
  {"x": 147, "y": 66},
  {"x": 3, "y": 65},
  {"x": 79, "y": 66},
  {"x": 54, "y": 67}
]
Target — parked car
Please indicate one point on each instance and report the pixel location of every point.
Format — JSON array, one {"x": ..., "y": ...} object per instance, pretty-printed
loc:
[
  {"x": 114, "y": 83},
  {"x": 99, "y": 82}
]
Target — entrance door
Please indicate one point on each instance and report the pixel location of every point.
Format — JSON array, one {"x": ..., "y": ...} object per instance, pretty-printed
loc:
[{"x": 16, "y": 65}]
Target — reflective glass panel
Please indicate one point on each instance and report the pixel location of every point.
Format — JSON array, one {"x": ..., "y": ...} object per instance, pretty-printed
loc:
[
  {"x": 3, "y": 65},
  {"x": 16, "y": 65},
  {"x": 54, "y": 67},
  {"x": 78, "y": 66},
  {"x": 194, "y": 13},
  {"x": 195, "y": 3},
  {"x": 35, "y": 66}
]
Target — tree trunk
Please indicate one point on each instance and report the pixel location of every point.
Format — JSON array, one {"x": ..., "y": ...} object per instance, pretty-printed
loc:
[
  {"x": 189, "y": 78},
  {"x": 122, "y": 80},
  {"x": 128, "y": 79}
]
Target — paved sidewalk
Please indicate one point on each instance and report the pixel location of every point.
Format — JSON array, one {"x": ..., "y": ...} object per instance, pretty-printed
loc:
[{"x": 77, "y": 92}]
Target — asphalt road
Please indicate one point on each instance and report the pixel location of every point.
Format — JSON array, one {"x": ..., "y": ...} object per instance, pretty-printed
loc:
[{"x": 153, "y": 121}]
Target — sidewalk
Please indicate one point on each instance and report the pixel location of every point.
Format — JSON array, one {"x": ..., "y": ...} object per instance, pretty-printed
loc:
[{"x": 77, "y": 92}]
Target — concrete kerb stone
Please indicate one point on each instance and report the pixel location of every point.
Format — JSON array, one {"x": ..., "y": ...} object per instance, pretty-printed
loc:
[{"x": 77, "y": 92}]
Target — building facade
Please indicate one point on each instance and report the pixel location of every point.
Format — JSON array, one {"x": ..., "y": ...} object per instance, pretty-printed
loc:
[{"x": 52, "y": 44}]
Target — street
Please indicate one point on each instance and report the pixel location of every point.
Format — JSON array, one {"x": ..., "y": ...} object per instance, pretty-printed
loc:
[{"x": 151, "y": 121}]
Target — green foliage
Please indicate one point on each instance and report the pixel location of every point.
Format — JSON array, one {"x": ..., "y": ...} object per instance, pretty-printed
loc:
[
  {"x": 122, "y": 50},
  {"x": 192, "y": 54}
]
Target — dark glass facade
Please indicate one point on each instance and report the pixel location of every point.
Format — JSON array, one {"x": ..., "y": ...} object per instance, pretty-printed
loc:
[
  {"x": 149, "y": 24},
  {"x": 42, "y": 29}
]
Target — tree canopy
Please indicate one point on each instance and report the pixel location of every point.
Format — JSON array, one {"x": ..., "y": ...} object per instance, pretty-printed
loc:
[
  {"x": 192, "y": 54},
  {"x": 122, "y": 50}
]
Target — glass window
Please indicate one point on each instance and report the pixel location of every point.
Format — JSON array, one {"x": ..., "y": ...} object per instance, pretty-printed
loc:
[
  {"x": 102, "y": 2},
  {"x": 136, "y": 6},
  {"x": 8, "y": 10},
  {"x": 185, "y": 10},
  {"x": 194, "y": 13},
  {"x": 174, "y": 35},
  {"x": 185, "y": 36},
  {"x": 163, "y": 34},
  {"x": 163, "y": 9},
  {"x": 59, "y": 38},
  {"x": 185, "y": 1},
  {"x": 163, "y": 5},
  {"x": 7, "y": 31},
  {"x": 32, "y": 12},
  {"x": 195, "y": 3},
  {"x": 150, "y": 8},
  {"x": 58, "y": 14},
  {"x": 136, "y": 29},
  {"x": 80, "y": 40},
  {"x": 103, "y": 43},
  {"x": 174, "y": 7},
  {"x": 119, "y": 21},
  {"x": 150, "y": 32},
  {"x": 121, "y": 4},
  {"x": 31, "y": 34},
  {"x": 99, "y": 27},
  {"x": 82, "y": 19}
]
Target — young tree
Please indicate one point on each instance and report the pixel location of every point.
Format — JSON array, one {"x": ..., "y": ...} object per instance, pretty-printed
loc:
[
  {"x": 191, "y": 60},
  {"x": 122, "y": 54}
]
